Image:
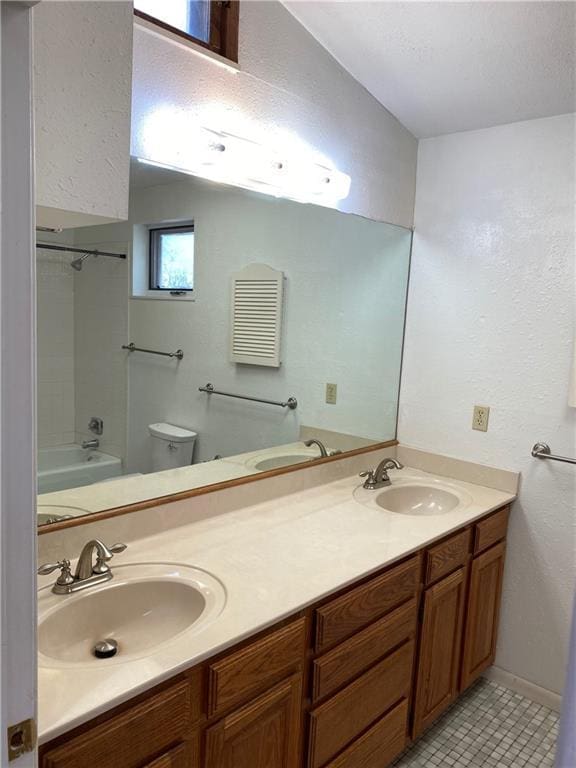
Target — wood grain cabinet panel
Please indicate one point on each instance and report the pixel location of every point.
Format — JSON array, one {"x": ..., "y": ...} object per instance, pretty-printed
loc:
[
  {"x": 481, "y": 631},
  {"x": 263, "y": 734},
  {"x": 348, "y": 660},
  {"x": 345, "y": 615},
  {"x": 440, "y": 649},
  {"x": 240, "y": 675},
  {"x": 379, "y": 745},
  {"x": 131, "y": 738},
  {"x": 344, "y": 717},
  {"x": 179, "y": 757},
  {"x": 491, "y": 530},
  {"x": 447, "y": 556}
]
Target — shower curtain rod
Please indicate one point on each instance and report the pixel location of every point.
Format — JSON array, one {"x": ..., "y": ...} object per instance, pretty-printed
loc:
[{"x": 69, "y": 249}]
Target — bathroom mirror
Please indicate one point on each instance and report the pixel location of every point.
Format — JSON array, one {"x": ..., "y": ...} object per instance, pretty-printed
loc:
[{"x": 238, "y": 328}]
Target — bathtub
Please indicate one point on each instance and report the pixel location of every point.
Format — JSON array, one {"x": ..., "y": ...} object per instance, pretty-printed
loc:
[{"x": 70, "y": 466}]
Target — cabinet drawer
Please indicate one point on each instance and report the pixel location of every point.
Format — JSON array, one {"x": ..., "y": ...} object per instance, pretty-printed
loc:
[
  {"x": 491, "y": 530},
  {"x": 238, "y": 676},
  {"x": 132, "y": 738},
  {"x": 355, "y": 655},
  {"x": 379, "y": 745},
  {"x": 447, "y": 556},
  {"x": 352, "y": 611},
  {"x": 341, "y": 719}
]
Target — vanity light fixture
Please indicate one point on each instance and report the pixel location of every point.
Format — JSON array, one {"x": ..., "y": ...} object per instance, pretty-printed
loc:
[{"x": 229, "y": 159}]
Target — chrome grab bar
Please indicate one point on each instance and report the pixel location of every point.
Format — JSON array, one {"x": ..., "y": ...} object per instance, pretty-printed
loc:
[
  {"x": 542, "y": 451},
  {"x": 133, "y": 348},
  {"x": 291, "y": 403}
]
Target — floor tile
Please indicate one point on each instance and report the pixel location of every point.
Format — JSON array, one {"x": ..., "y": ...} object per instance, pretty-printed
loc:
[{"x": 488, "y": 727}]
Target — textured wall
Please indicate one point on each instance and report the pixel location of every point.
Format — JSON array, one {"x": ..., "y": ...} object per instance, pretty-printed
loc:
[
  {"x": 83, "y": 65},
  {"x": 289, "y": 93},
  {"x": 491, "y": 321}
]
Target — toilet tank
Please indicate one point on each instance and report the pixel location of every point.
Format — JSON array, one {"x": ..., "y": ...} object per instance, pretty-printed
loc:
[{"x": 172, "y": 446}]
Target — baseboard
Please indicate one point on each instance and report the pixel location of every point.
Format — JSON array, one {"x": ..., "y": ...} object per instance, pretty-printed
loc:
[{"x": 524, "y": 688}]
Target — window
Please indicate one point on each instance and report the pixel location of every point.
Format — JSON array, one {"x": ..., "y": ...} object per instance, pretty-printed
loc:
[
  {"x": 172, "y": 259},
  {"x": 213, "y": 24}
]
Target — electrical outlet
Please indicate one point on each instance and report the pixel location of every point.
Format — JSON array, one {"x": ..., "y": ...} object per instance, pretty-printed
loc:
[
  {"x": 480, "y": 418},
  {"x": 331, "y": 393}
]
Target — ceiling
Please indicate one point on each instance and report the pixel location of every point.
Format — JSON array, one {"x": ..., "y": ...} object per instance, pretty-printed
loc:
[{"x": 442, "y": 67}]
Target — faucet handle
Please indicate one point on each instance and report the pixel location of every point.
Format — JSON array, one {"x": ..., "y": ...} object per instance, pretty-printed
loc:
[
  {"x": 369, "y": 473},
  {"x": 106, "y": 553},
  {"x": 65, "y": 577},
  {"x": 48, "y": 568}
]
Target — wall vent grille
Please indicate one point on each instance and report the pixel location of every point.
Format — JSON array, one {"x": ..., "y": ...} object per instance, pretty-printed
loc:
[{"x": 257, "y": 293}]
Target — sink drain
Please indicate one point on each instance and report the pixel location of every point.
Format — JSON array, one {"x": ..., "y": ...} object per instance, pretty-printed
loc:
[{"x": 105, "y": 649}]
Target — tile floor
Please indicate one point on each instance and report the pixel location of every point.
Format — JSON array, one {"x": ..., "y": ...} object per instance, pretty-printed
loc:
[{"x": 488, "y": 727}]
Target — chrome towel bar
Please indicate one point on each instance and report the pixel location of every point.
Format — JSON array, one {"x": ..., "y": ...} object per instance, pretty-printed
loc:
[
  {"x": 133, "y": 348},
  {"x": 542, "y": 451},
  {"x": 70, "y": 249},
  {"x": 291, "y": 403}
]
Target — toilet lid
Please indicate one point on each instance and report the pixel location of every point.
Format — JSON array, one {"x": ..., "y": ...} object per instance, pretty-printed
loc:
[{"x": 171, "y": 432}]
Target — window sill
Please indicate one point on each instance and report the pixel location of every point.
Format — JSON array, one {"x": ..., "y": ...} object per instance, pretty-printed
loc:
[
  {"x": 153, "y": 296},
  {"x": 158, "y": 31}
]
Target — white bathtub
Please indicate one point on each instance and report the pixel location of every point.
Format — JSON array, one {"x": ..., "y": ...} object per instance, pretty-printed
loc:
[{"x": 70, "y": 466}]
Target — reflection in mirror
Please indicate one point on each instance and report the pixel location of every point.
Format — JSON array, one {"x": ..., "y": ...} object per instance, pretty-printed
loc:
[{"x": 243, "y": 333}]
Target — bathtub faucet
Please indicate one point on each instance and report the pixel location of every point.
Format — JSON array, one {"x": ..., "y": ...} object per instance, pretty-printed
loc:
[{"x": 94, "y": 443}]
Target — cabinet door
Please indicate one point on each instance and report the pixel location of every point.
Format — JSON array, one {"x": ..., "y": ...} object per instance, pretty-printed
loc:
[
  {"x": 483, "y": 613},
  {"x": 179, "y": 757},
  {"x": 440, "y": 649},
  {"x": 263, "y": 734}
]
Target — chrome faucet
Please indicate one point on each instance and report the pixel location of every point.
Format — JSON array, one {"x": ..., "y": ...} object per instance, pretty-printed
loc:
[
  {"x": 378, "y": 478},
  {"x": 94, "y": 443},
  {"x": 324, "y": 452},
  {"x": 321, "y": 446},
  {"x": 87, "y": 572}
]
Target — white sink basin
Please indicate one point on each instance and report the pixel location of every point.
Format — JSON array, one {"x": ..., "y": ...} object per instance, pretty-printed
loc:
[
  {"x": 142, "y": 607},
  {"x": 52, "y": 513},
  {"x": 418, "y": 499},
  {"x": 275, "y": 462}
]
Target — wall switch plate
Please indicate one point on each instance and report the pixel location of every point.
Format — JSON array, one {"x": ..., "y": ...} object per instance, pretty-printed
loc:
[
  {"x": 480, "y": 418},
  {"x": 331, "y": 393}
]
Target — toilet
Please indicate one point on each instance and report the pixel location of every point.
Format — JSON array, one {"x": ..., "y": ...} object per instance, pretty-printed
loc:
[{"x": 172, "y": 446}]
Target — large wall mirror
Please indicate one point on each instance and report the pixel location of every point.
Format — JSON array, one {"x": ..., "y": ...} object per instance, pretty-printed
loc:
[{"x": 285, "y": 323}]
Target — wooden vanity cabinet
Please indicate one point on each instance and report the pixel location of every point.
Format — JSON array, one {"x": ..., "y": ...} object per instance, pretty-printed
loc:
[
  {"x": 262, "y": 734},
  {"x": 483, "y": 613},
  {"x": 438, "y": 666},
  {"x": 344, "y": 684},
  {"x": 459, "y": 615}
]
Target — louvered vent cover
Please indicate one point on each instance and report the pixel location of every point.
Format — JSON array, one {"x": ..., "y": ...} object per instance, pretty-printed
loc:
[{"x": 257, "y": 315}]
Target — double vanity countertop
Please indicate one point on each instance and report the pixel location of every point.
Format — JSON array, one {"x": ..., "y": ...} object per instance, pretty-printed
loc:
[{"x": 272, "y": 560}]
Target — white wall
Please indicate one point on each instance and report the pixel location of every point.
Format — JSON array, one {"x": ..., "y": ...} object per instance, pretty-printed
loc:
[
  {"x": 55, "y": 323},
  {"x": 289, "y": 92},
  {"x": 100, "y": 330},
  {"x": 346, "y": 277},
  {"x": 82, "y": 84},
  {"x": 491, "y": 320},
  {"x": 82, "y": 324}
]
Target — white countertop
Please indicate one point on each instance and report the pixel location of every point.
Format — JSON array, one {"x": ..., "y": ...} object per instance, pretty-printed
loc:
[
  {"x": 131, "y": 489},
  {"x": 274, "y": 559}
]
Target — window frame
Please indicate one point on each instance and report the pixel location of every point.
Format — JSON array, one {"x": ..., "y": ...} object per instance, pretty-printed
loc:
[
  {"x": 224, "y": 18},
  {"x": 153, "y": 257}
]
